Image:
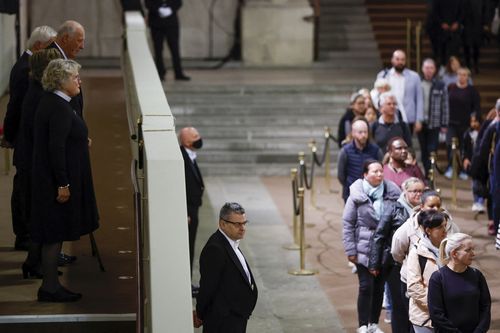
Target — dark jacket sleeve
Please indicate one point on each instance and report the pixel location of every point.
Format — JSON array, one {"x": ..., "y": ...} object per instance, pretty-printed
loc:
[
  {"x": 18, "y": 87},
  {"x": 59, "y": 128},
  {"x": 484, "y": 305},
  {"x": 381, "y": 238},
  {"x": 435, "y": 300},
  {"x": 212, "y": 261},
  {"x": 476, "y": 100},
  {"x": 406, "y": 134}
]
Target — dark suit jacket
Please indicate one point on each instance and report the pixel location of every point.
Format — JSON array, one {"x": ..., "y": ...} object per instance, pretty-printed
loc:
[
  {"x": 18, "y": 85},
  {"x": 77, "y": 101},
  {"x": 194, "y": 181},
  {"x": 154, "y": 19},
  {"x": 224, "y": 286}
]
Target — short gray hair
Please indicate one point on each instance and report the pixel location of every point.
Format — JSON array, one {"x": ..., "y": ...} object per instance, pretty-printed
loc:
[
  {"x": 68, "y": 28},
  {"x": 42, "y": 34},
  {"x": 58, "y": 71},
  {"x": 410, "y": 181},
  {"x": 384, "y": 96},
  {"x": 230, "y": 208}
]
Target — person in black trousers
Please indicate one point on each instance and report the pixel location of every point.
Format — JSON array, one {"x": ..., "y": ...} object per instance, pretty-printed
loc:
[
  {"x": 18, "y": 85},
  {"x": 190, "y": 140},
  {"x": 164, "y": 24}
]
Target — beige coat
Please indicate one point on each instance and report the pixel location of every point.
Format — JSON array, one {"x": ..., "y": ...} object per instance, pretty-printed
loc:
[{"x": 417, "y": 282}]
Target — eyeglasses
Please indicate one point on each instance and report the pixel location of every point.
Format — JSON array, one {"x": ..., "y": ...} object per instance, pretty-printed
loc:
[
  {"x": 416, "y": 191},
  {"x": 237, "y": 224}
]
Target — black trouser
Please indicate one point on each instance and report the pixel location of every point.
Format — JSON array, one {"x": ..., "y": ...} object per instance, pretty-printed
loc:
[
  {"x": 370, "y": 297},
  {"x": 428, "y": 140},
  {"x": 228, "y": 324},
  {"x": 192, "y": 228},
  {"x": 406, "y": 301},
  {"x": 20, "y": 205},
  {"x": 400, "y": 322},
  {"x": 456, "y": 131},
  {"x": 171, "y": 34}
]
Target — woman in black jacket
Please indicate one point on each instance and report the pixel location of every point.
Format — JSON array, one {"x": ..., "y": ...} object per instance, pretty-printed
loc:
[{"x": 381, "y": 260}]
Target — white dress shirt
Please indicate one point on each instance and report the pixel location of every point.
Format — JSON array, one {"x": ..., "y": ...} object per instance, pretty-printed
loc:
[
  {"x": 235, "y": 246},
  {"x": 397, "y": 82}
]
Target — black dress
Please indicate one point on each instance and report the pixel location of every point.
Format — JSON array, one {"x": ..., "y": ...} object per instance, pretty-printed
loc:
[{"x": 61, "y": 157}]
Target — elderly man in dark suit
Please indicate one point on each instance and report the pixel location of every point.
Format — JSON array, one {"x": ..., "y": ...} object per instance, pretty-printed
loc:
[
  {"x": 190, "y": 140},
  {"x": 18, "y": 85},
  {"x": 228, "y": 292}
]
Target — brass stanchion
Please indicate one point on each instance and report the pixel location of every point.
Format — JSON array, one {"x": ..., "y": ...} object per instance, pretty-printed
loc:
[
  {"x": 328, "y": 179},
  {"x": 6, "y": 161},
  {"x": 408, "y": 43},
  {"x": 301, "y": 163},
  {"x": 454, "y": 166},
  {"x": 418, "y": 40},
  {"x": 302, "y": 270},
  {"x": 432, "y": 175},
  {"x": 312, "y": 198},
  {"x": 295, "y": 245}
]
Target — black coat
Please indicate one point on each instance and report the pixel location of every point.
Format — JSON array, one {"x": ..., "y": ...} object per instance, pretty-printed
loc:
[
  {"x": 23, "y": 154},
  {"x": 18, "y": 85},
  {"x": 224, "y": 286},
  {"x": 61, "y": 157},
  {"x": 476, "y": 18},
  {"x": 194, "y": 181},
  {"x": 154, "y": 19},
  {"x": 380, "y": 251}
]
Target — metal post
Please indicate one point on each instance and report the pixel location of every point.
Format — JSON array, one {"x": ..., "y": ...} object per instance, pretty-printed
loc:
[
  {"x": 327, "y": 160},
  {"x": 432, "y": 174},
  {"x": 418, "y": 40},
  {"x": 302, "y": 270},
  {"x": 295, "y": 245},
  {"x": 312, "y": 198},
  {"x": 454, "y": 166},
  {"x": 408, "y": 43}
]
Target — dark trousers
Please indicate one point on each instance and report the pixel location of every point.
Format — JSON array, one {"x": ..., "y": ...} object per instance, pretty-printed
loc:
[
  {"x": 458, "y": 132},
  {"x": 406, "y": 302},
  {"x": 370, "y": 297},
  {"x": 229, "y": 324},
  {"x": 192, "y": 228},
  {"x": 400, "y": 322},
  {"x": 171, "y": 34},
  {"x": 20, "y": 204},
  {"x": 428, "y": 140}
]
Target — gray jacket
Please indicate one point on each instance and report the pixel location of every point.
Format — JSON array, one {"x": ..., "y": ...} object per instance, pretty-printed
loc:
[{"x": 359, "y": 219}]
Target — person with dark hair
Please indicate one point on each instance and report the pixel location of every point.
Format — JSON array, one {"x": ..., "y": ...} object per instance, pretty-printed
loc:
[
  {"x": 164, "y": 24},
  {"x": 423, "y": 260},
  {"x": 369, "y": 198},
  {"x": 396, "y": 168},
  {"x": 380, "y": 252},
  {"x": 228, "y": 292},
  {"x": 459, "y": 298},
  {"x": 357, "y": 108},
  {"x": 354, "y": 154}
]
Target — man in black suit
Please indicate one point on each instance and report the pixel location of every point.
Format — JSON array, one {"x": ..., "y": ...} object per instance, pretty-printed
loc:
[
  {"x": 228, "y": 292},
  {"x": 190, "y": 140},
  {"x": 70, "y": 40},
  {"x": 164, "y": 24},
  {"x": 18, "y": 85}
]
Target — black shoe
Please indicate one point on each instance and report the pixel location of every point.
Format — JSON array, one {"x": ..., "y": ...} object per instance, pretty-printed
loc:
[
  {"x": 65, "y": 259},
  {"x": 30, "y": 272},
  {"x": 194, "y": 291},
  {"x": 61, "y": 295},
  {"x": 182, "y": 78}
]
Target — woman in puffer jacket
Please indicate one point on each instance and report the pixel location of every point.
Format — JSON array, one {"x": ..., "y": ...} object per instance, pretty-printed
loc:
[
  {"x": 422, "y": 261},
  {"x": 369, "y": 198},
  {"x": 380, "y": 253}
]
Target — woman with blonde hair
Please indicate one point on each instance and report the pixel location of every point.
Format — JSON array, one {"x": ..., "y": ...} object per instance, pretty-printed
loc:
[{"x": 459, "y": 299}]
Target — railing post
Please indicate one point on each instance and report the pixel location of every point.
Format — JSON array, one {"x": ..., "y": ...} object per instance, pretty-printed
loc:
[
  {"x": 418, "y": 41},
  {"x": 312, "y": 198},
  {"x": 454, "y": 167},
  {"x": 295, "y": 226},
  {"x": 408, "y": 43},
  {"x": 328, "y": 180}
]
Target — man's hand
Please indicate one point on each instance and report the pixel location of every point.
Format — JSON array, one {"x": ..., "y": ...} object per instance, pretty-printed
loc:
[
  {"x": 63, "y": 194},
  {"x": 89, "y": 142},
  {"x": 353, "y": 259},
  {"x": 374, "y": 272},
  {"x": 466, "y": 164},
  {"x": 445, "y": 26},
  {"x": 454, "y": 26},
  {"x": 5, "y": 144},
  {"x": 418, "y": 127},
  {"x": 197, "y": 322}
]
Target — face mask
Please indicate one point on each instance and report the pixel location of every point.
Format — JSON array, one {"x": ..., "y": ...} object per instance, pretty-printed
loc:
[{"x": 198, "y": 144}]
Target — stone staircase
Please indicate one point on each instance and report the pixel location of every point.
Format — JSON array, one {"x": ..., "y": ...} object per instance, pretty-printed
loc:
[
  {"x": 257, "y": 130},
  {"x": 346, "y": 38}
]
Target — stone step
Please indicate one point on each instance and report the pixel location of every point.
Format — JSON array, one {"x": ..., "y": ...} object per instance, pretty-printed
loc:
[
  {"x": 256, "y": 145},
  {"x": 272, "y": 120},
  {"x": 259, "y": 169},
  {"x": 215, "y": 110},
  {"x": 260, "y": 132}
]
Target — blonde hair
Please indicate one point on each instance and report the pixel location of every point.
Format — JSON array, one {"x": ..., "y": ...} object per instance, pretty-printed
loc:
[
  {"x": 39, "y": 61},
  {"x": 451, "y": 243},
  {"x": 58, "y": 71}
]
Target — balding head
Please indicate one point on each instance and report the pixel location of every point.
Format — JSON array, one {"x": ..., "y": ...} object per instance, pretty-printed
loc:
[
  {"x": 190, "y": 138},
  {"x": 360, "y": 132},
  {"x": 71, "y": 38},
  {"x": 398, "y": 60}
]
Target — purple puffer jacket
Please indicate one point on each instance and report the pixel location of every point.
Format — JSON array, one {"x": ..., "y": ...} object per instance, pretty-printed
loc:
[{"x": 359, "y": 219}]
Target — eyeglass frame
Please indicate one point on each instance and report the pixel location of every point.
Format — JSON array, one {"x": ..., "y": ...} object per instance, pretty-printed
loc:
[{"x": 238, "y": 224}]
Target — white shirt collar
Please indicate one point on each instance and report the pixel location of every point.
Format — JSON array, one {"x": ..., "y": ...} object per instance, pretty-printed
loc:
[
  {"x": 191, "y": 154},
  {"x": 30, "y": 53},
  {"x": 234, "y": 243},
  {"x": 62, "y": 95},
  {"x": 61, "y": 50}
]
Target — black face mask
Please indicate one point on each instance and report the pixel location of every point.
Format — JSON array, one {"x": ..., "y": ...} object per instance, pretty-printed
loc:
[{"x": 198, "y": 143}]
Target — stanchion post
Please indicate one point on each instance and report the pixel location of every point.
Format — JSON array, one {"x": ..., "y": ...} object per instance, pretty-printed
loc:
[
  {"x": 327, "y": 159},
  {"x": 312, "y": 198},
  {"x": 301, "y": 162},
  {"x": 418, "y": 39},
  {"x": 295, "y": 245},
  {"x": 408, "y": 43},
  {"x": 432, "y": 175},
  {"x": 302, "y": 270},
  {"x": 454, "y": 166}
]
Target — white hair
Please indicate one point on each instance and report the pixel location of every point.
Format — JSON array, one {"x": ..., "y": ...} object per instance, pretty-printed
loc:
[
  {"x": 497, "y": 105},
  {"x": 381, "y": 82},
  {"x": 69, "y": 28},
  {"x": 384, "y": 96},
  {"x": 42, "y": 34},
  {"x": 450, "y": 243}
]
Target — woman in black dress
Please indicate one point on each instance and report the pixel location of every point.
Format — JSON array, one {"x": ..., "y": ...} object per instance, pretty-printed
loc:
[{"x": 63, "y": 199}]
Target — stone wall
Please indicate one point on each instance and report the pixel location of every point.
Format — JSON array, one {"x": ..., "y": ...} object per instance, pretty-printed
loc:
[{"x": 7, "y": 49}]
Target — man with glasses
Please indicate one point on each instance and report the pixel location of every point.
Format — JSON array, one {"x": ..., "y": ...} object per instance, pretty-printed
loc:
[
  {"x": 228, "y": 292},
  {"x": 396, "y": 169}
]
